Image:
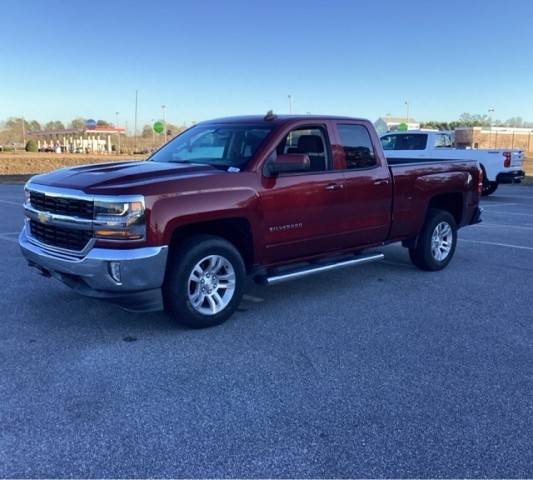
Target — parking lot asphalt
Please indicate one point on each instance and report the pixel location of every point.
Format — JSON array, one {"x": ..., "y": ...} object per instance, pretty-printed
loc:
[{"x": 373, "y": 371}]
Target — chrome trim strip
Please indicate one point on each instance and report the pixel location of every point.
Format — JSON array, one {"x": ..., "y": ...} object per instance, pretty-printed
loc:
[
  {"x": 80, "y": 195},
  {"x": 56, "y": 219},
  {"x": 323, "y": 268}
]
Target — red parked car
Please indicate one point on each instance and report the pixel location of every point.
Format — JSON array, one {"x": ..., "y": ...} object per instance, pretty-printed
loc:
[{"x": 274, "y": 197}]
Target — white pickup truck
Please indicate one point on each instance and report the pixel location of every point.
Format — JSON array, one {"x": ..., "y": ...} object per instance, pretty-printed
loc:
[{"x": 499, "y": 166}]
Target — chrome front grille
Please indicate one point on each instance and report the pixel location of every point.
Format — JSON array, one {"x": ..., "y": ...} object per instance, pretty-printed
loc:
[
  {"x": 76, "y": 207},
  {"x": 65, "y": 238},
  {"x": 60, "y": 219}
]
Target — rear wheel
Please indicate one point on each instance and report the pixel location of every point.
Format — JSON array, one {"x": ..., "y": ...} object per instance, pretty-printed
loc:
[
  {"x": 436, "y": 243},
  {"x": 204, "y": 283},
  {"x": 489, "y": 188}
]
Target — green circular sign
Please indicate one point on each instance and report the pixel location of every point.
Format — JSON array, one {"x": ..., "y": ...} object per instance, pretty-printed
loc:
[
  {"x": 402, "y": 127},
  {"x": 158, "y": 127}
]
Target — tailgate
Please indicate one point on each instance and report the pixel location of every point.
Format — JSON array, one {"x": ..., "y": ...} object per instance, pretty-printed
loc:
[{"x": 517, "y": 158}]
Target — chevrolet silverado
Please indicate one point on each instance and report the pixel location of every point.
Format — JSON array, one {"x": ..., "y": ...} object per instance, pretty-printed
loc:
[{"x": 274, "y": 198}]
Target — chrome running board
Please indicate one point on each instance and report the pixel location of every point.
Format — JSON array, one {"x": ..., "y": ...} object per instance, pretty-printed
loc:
[{"x": 311, "y": 269}]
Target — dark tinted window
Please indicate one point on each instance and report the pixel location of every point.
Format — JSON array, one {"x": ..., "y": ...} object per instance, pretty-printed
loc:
[
  {"x": 357, "y": 146},
  {"x": 404, "y": 141}
]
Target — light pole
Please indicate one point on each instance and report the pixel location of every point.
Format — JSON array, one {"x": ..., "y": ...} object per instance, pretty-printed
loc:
[
  {"x": 163, "y": 107},
  {"x": 290, "y": 104},
  {"x": 118, "y": 132},
  {"x": 153, "y": 134},
  {"x": 135, "y": 128},
  {"x": 407, "y": 112},
  {"x": 491, "y": 110}
]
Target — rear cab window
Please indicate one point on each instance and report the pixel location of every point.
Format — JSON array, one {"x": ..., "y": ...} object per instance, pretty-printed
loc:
[
  {"x": 357, "y": 146},
  {"x": 443, "y": 140},
  {"x": 404, "y": 141}
]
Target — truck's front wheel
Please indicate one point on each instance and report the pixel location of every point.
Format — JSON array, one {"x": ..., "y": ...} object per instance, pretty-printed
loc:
[
  {"x": 436, "y": 244},
  {"x": 204, "y": 282}
]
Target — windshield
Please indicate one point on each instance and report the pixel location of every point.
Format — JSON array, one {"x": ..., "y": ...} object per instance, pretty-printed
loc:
[{"x": 220, "y": 145}]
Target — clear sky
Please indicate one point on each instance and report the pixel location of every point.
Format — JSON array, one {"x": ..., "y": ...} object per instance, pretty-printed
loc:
[{"x": 211, "y": 58}]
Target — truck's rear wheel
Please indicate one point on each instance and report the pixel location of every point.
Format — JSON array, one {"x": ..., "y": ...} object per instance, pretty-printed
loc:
[
  {"x": 436, "y": 243},
  {"x": 204, "y": 282},
  {"x": 489, "y": 188}
]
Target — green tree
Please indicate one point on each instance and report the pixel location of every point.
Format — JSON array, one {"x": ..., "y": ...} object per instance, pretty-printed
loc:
[
  {"x": 102, "y": 123},
  {"x": 31, "y": 146},
  {"x": 77, "y": 123},
  {"x": 147, "y": 131},
  {"x": 54, "y": 125}
]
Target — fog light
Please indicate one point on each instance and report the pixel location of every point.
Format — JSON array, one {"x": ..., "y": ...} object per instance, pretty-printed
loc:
[{"x": 114, "y": 271}]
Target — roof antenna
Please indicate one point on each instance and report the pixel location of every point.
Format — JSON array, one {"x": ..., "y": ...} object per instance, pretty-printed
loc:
[{"x": 270, "y": 116}]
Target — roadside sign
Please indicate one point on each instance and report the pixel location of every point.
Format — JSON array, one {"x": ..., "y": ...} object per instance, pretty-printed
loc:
[
  {"x": 402, "y": 127},
  {"x": 90, "y": 124},
  {"x": 158, "y": 127}
]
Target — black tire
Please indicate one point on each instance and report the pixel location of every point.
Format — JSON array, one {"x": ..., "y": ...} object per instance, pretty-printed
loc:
[
  {"x": 177, "y": 286},
  {"x": 422, "y": 255},
  {"x": 488, "y": 188}
]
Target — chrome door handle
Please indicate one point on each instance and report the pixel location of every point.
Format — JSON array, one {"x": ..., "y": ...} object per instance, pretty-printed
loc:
[
  {"x": 334, "y": 186},
  {"x": 381, "y": 182}
]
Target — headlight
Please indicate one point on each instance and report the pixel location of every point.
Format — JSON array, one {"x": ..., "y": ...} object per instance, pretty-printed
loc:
[
  {"x": 26, "y": 195},
  {"x": 119, "y": 220}
]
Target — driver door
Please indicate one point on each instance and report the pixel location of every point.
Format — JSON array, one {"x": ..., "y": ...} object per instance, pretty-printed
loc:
[{"x": 302, "y": 210}]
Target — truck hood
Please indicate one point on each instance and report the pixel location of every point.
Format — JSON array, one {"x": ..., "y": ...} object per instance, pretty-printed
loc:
[{"x": 99, "y": 177}]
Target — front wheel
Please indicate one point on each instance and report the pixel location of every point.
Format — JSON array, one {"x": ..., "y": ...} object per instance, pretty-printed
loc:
[
  {"x": 436, "y": 243},
  {"x": 204, "y": 283}
]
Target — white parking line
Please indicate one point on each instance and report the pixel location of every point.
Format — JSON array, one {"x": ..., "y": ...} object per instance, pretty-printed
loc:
[
  {"x": 251, "y": 298},
  {"x": 501, "y": 225},
  {"x": 520, "y": 247},
  {"x": 6, "y": 236},
  {"x": 509, "y": 213},
  {"x": 18, "y": 204},
  {"x": 489, "y": 204}
]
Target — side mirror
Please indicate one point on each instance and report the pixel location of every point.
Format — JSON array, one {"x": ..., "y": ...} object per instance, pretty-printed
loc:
[{"x": 289, "y": 163}]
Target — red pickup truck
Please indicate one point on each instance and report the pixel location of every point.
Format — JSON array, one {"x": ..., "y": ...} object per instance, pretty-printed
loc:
[{"x": 274, "y": 197}]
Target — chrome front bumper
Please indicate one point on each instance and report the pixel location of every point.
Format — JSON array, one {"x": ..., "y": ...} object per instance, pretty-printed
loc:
[{"x": 142, "y": 271}]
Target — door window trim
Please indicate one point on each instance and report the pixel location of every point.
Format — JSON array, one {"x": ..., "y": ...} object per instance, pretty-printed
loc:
[{"x": 327, "y": 148}]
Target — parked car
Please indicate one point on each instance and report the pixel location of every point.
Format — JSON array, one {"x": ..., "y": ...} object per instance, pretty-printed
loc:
[
  {"x": 276, "y": 198},
  {"x": 499, "y": 166}
]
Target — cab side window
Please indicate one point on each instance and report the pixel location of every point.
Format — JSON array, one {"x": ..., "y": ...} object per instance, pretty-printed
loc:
[
  {"x": 308, "y": 140},
  {"x": 357, "y": 146}
]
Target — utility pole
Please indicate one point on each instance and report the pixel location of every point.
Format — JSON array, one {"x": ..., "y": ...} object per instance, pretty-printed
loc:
[
  {"x": 118, "y": 132},
  {"x": 163, "y": 107},
  {"x": 407, "y": 113},
  {"x": 23, "y": 133},
  {"x": 135, "y": 127},
  {"x": 290, "y": 104}
]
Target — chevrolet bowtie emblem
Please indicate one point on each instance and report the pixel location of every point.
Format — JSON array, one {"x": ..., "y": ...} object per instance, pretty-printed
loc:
[{"x": 44, "y": 217}]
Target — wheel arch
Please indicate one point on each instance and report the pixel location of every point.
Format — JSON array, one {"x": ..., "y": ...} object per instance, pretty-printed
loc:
[{"x": 236, "y": 230}]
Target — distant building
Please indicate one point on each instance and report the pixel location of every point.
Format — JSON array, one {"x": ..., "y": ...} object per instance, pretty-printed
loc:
[
  {"x": 495, "y": 137},
  {"x": 77, "y": 140},
  {"x": 391, "y": 124}
]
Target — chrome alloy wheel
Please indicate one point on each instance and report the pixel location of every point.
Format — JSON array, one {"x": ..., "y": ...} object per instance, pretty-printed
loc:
[
  {"x": 211, "y": 285},
  {"x": 441, "y": 241}
]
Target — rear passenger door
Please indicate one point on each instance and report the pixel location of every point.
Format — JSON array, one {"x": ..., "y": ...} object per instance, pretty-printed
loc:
[{"x": 368, "y": 185}]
